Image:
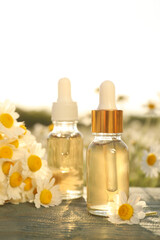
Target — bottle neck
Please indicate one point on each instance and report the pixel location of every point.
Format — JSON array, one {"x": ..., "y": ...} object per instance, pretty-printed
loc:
[
  {"x": 107, "y": 136},
  {"x": 65, "y": 126}
]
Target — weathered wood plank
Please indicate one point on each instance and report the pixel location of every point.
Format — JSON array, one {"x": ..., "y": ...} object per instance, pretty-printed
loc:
[{"x": 70, "y": 220}]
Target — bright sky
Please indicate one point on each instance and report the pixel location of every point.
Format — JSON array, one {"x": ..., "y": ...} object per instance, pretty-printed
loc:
[{"x": 87, "y": 41}]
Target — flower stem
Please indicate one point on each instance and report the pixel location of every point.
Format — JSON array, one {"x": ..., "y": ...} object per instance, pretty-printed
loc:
[{"x": 151, "y": 213}]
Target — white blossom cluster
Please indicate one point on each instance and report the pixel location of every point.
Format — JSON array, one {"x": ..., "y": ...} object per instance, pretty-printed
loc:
[{"x": 24, "y": 173}]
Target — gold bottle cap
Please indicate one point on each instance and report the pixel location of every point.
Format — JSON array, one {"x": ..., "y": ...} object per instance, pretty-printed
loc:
[{"x": 107, "y": 121}]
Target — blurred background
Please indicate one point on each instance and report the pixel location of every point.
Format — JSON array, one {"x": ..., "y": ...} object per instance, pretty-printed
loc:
[{"x": 88, "y": 42}]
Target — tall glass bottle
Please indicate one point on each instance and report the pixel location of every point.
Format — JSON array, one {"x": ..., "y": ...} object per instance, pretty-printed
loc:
[
  {"x": 107, "y": 155},
  {"x": 65, "y": 144}
]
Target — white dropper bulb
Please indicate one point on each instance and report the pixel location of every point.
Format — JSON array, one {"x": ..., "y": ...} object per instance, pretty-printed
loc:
[
  {"x": 64, "y": 109},
  {"x": 64, "y": 90},
  {"x": 107, "y": 99}
]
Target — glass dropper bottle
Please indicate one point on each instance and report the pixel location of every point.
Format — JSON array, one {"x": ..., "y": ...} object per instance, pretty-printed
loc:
[
  {"x": 65, "y": 144},
  {"x": 107, "y": 154}
]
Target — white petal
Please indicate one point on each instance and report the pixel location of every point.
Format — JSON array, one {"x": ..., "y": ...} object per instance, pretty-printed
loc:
[
  {"x": 138, "y": 208},
  {"x": 116, "y": 198},
  {"x": 51, "y": 183},
  {"x": 145, "y": 155},
  {"x": 114, "y": 219},
  {"x": 142, "y": 203},
  {"x": 122, "y": 197},
  {"x": 145, "y": 152},
  {"x": 141, "y": 215},
  {"x": 153, "y": 173},
  {"x": 37, "y": 204},
  {"x": 133, "y": 199},
  {"x": 37, "y": 200},
  {"x": 134, "y": 220},
  {"x": 45, "y": 205}
]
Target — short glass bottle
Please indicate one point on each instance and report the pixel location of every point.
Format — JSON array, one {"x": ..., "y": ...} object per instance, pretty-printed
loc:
[
  {"x": 107, "y": 171},
  {"x": 65, "y": 158}
]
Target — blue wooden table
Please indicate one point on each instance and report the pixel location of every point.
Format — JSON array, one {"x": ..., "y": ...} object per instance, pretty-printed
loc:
[{"x": 70, "y": 220}]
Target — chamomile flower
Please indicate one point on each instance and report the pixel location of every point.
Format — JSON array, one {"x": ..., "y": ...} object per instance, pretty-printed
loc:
[
  {"x": 32, "y": 162},
  {"x": 3, "y": 192},
  {"x": 127, "y": 211},
  {"x": 22, "y": 165},
  {"x": 8, "y": 107},
  {"x": 5, "y": 165},
  {"x": 28, "y": 186},
  {"x": 150, "y": 164},
  {"x": 10, "y": 150},
  {"x": 14, "y": 182},
  {"x": 48, "y": 194},
  {"x": 8, "y": 120}
]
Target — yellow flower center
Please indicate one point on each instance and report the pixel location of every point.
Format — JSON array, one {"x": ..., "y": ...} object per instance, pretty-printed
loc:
[
  {"x": 6, "y": 167},
  {"x": 24, "y": 127},
  {"x": 151, "y": 159},
  {"x": 15, "y": 179},
  {"x": 28, "y": 182},
  {"x": 125, "y": 211},
  {"x": 45, "y": 196},
  {"x": 151, "y": 106},
  {"x": 50, "y": 127},
  {"x": 6, "y": 152},
  {"x": 15, "y": 143},
  {"x": 1, "y": 136},
  {"x": 34, "y": 163},
  {"x": 7, "y": 120}
]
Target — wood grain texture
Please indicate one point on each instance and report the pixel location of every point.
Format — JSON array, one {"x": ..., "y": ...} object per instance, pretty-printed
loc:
[{"x": 70, "y": 220}]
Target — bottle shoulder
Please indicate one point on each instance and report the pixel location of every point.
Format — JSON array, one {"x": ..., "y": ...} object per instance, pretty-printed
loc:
[
  {"x": 75, "y": 134},
  {"x": 108, "y": 144},
  {"x": 124, "y": 144}
]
